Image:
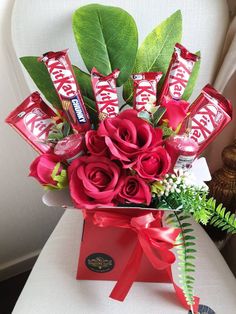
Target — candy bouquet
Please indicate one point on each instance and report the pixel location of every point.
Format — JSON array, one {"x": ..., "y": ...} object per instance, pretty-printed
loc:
[{"x": 125, "y": 163}]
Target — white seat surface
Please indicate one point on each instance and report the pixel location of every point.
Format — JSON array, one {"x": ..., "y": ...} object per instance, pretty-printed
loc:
[{"x": 53, "y": 289}]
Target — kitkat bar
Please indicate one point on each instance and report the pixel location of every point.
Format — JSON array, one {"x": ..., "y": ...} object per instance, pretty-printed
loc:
[
  {"x": 60, "y": 69},
  {"x": 105, "y": 92},
  {"x": 32, "y": 119},
  {"x": 209, "y": 114},
  {"x": 145, "y": 90},
  {"x": 178, "y": 74}
]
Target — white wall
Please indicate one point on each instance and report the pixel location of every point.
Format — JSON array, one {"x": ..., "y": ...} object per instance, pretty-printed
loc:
[{"x": 25, "y": 223}]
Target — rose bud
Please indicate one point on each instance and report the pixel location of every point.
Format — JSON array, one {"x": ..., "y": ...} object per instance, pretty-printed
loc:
[
  {"x": 176, "y": 112},
  {"x": 135, "y": 190},
  {"x": 153, "y": 165},
  {"x": 48, "y": 171}
]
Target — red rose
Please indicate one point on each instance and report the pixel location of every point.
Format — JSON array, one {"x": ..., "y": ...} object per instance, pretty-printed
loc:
[
  {"x": 127, "y": 135},
  {"x": 176, "y": 111},
  {"x": 135, "y": 190},
  {"x": 153, "y": 165},
  {"x": 95, "y": 143},
  {"x": 94, "y": 182},
  {"x": 42, "y": 168}
]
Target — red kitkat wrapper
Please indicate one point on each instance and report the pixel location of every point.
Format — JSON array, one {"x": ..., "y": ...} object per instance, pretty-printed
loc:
[
  {"x": 209, "y": 114},
  {"x": 105, "y": 92},
  {"x": 60, "y": 69},
  {"x": 145, "y": 89},
  {"x": 178, "y": 74},
  {"x": 33, "y": 121}
]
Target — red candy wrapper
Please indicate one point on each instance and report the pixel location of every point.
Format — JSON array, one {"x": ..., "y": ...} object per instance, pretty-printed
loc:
[
  {"x": 105, "y": 92},
  {"x": 209, "y": 114},
  {"x": 60, "y": 69},
  {"x": 70, "y": 147},
  {"x": 145, "y": 90},
  {"x": 33, "y": 121},
  {"x": 178, "y": 73}
]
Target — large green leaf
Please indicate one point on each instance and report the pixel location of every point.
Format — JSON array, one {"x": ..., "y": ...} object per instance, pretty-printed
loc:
[
  {"x": 193, "y": 78},
  {"x": 41, "y": 78},
  {"x": 156, "y": 50},
  {"x": 107, "y": 39}
]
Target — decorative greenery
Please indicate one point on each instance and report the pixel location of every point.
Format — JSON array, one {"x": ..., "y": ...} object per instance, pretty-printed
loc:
[
  {"x": 61, "y": 179},
  {"x": 222, "y": 219},
  {"x": 155, "y": 52},
  {"x": 185, "y": 244},
  {"x": 178, "y": 194},
  {"x": 41, "y": 78},
  {"x": 193, "y": 78},
  {"x": 107, "y": 38},
  {"x": 59, "y": 131}
]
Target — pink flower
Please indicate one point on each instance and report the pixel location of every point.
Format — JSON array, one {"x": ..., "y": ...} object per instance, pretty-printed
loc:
[
  {"x": 42, "y": 167},
  {"x": 135, "y": 190},
  {"x": 96, "y": 144},
  {"x": 94, "y": 181},
  {"x": 153, "y": 165},
  {"x": 127, "y": 135},
  {"x": 176, "y": 111}
]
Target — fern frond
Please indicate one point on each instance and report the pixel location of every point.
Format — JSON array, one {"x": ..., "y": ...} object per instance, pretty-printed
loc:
[
  {"x": 223, "y": 220},
  {"x": 185, "y": 252}
]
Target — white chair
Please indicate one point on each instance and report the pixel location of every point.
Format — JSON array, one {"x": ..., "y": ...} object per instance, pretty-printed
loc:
[{"x": 39, "y": 26}]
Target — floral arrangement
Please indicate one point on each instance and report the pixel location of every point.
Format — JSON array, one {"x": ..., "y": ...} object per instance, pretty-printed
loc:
[{"x": 142, "y": 155}]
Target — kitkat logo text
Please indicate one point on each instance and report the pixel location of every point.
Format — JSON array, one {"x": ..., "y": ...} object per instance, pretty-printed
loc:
[
  {"x": 106, "y": 97},
  {"x": 205, "y": 121},
  {"x": 38, "y": 124},
  {"x": 179, "y": 76},
  {"x": 62, "y": 78}
]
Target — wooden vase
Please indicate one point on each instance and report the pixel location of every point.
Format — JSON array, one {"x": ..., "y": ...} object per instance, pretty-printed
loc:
[{"x": 223, "y": 186}]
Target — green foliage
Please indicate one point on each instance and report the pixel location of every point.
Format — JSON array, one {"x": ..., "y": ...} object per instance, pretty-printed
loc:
[
  {"x": 193, "y": 78},
  {"x": 156, "y": 50},
  {"x": 41, "y": 78},
  {"x": 158, "y": 115},
  {"x": 107, "y": 39},
  {"x": 59, "y": 131},
  {"x": 60, "y": 179},
  {"x": 85, "y": 83},
  {"x": 185, "y": 244},
  {"x": 222, "y": 219}
]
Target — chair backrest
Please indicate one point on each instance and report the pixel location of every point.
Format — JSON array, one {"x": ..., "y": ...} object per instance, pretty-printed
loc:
[{"x": 40, "y": 26}]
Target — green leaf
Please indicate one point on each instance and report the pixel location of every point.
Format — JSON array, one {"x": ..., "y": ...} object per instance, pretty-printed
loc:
[
  {"x": 84, "y": 81},
  {"x": 156, "y": 50},
  {"x": 107, "y": 39},
  {"x": 41, "y": 78},
  {"x": 66, "y": 129},
  {"x": 158, "y": 115},
  {"x": 193, "y": 79},
  {"x": 91, "y": 107}
]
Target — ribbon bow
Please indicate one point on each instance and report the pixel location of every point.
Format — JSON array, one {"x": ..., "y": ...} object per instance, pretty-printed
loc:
[{"x": 153, "y": 240}]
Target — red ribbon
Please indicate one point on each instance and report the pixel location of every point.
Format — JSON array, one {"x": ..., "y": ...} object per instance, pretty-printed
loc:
[{"x": 152, "y": 240}]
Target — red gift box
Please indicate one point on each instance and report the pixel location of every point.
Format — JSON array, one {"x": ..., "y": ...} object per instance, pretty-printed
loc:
[
  {"x": 127, "y": 245},
  {"x": 105, "y": 252}
]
